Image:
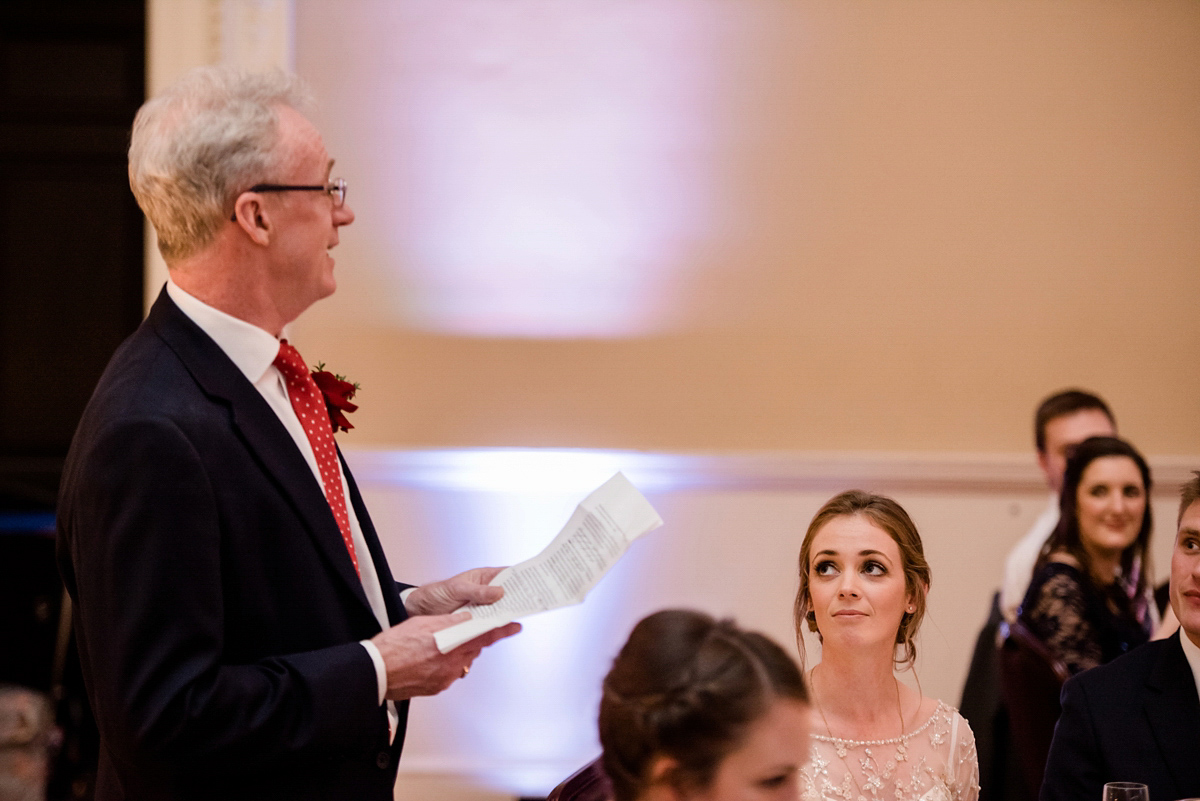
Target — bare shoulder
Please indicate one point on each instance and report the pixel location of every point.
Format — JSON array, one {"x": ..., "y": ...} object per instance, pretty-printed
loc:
[{"x": 930, "y": 709}]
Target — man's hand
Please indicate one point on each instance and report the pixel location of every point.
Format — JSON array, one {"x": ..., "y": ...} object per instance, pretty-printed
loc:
[
  {"x": 445, "y": 596},
  {"x": 414, "y": 664}
]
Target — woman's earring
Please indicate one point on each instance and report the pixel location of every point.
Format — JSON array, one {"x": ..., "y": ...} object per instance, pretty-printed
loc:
[{"x": 811, "y": 617}]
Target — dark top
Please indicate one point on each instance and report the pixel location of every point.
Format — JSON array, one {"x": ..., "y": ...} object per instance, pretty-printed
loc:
[{"x": 1078, "y": 621}]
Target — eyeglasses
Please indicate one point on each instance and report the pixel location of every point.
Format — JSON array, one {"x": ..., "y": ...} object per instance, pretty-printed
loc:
[{"x": 336, "y": 189}]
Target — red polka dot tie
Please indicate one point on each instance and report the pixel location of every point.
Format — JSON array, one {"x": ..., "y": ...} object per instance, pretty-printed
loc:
[{"x": 309, "y": 404}]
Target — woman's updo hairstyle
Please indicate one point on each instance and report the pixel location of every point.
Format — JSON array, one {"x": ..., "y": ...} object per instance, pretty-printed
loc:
[
  {"x": 891, "y": 517},
  {"x": 687, "y": 687}
]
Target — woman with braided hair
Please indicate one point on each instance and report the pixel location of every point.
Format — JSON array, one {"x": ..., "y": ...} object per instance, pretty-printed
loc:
[
  {"x": 696, "y": 709},
  {"x": 863, "y": 582}
]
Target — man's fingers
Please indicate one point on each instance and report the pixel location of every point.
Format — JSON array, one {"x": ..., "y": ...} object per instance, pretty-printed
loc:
[
  {"x": 486, "y": 574},
  {"x": 439, "y": 622},
  {"x": 456, "y": 618},
  {"x": 495, "y": 635},
  {"x": 480, "y": 594},
  {"x": 484, "y": 640},
  {"x": 508, "y": 630}
]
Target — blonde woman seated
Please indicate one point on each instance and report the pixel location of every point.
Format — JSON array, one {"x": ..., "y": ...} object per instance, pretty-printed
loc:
[
  {"x": 863, "y": 582},
  {"x": 696, "y": 708}
]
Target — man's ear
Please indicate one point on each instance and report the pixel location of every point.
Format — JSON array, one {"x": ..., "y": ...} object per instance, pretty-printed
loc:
[
  {"x": 1044, "y": 463},
  {"x": 253, "y": 218}
]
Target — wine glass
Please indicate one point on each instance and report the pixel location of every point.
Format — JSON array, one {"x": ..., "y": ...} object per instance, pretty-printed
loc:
[{"x": 1126, "y": 791}]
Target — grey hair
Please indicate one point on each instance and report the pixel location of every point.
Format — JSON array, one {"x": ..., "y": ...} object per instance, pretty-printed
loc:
[{"x": 200, "y": 143}]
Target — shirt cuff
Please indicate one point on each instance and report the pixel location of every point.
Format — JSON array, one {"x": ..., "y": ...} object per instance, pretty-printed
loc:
[
  {"x": 380, "y": 668},
  {"x": 404, "y": 596}
]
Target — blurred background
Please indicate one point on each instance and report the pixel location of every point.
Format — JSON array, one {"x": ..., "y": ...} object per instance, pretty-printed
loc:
[{"x": 750, "y": 252}]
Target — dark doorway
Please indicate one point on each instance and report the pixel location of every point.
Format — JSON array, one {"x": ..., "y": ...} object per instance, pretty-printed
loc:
[{"x": 72, "y": 75}]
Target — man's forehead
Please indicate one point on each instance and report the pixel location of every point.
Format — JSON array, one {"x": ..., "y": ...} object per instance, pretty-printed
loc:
[
  {"x": 301, "y": 139},
  {"x": 1189, "y": 521},
  {"x": 296, "y": 126},
  {"x": 1073, "y": 428}
]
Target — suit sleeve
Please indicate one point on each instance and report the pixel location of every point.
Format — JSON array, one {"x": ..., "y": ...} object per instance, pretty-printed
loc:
[
  {"x": 1073, "y": 769},
  {"x": 145, "y": 539}
]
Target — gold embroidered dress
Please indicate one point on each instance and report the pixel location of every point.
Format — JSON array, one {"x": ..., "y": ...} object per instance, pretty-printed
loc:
[{"x": 934, "y": 762}]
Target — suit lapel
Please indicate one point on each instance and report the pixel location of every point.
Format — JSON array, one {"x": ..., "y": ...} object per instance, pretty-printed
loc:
[
  {"x": 1173, "y": 714},
  {"x": 265, "y": 436},
  {"x": 391, "y": 597}
]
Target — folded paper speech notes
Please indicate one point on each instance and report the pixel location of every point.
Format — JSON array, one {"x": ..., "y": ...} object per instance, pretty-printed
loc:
[{"x": 598, "y": 533}]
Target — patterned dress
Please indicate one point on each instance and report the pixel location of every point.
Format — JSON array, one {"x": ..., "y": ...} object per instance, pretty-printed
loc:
[
  {"x": 1078, "y": 622},
  {"x": 934, "y": 762}
]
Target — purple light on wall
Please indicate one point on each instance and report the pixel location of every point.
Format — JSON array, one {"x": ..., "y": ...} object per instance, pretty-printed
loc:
[{"x": 538, "y": 169}]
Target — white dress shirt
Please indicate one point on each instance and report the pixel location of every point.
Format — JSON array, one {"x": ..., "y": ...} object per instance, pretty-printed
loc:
[
  {"x": 253, "y": 351},
  {"x": 1192, "y": 652},
  {"x": 1018, "y": 567}
]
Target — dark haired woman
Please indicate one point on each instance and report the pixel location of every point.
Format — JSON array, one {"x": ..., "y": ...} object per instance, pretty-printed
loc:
[
  {"x": 863, "y": 582},
  {"x": 1088, "y": 600},
  {"x": 696, "y": 708}
]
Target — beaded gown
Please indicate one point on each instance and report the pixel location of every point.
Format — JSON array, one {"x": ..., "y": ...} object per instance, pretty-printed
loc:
[{"x": 934, "y": 762}]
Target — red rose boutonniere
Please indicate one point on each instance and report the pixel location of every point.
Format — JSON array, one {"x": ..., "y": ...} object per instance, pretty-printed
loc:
[{"x": 338, "y": 392}]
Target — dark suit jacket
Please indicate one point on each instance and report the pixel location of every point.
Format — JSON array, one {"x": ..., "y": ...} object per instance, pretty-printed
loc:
[
  {"x": 1136, "y": 719},
  {"x": 217, "y": 611}
]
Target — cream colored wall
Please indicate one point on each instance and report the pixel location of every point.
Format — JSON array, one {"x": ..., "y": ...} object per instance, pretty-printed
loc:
[
  {"x": 921, "y": 217},
  {"x": 924, "y": 216}
]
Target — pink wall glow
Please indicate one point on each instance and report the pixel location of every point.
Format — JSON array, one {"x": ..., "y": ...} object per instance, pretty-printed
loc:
[{"x": 536, "y": 170}]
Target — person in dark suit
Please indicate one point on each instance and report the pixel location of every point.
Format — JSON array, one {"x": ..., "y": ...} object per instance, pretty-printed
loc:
[
  {"x": 1137, "y": 719},
  {"x": 240, "y": 631}
]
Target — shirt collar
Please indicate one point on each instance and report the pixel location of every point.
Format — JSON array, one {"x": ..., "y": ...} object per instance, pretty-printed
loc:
[
  {"x": 249, "y": 347},
  {"x": 1192, "y": 652},
  {"x": 1052, "y": 507}
]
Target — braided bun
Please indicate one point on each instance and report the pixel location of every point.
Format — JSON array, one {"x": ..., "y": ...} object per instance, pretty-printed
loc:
[{"x": 687, "y": 686}]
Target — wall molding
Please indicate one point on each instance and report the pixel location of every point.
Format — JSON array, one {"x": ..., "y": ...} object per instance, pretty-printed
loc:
[{"x": 528, "y": 469}]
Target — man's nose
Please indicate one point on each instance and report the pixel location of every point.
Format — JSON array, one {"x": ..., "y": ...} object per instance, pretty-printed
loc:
[{"x": 343, "y": 215}]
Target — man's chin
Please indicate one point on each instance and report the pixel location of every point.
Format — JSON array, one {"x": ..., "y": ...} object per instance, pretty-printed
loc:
[
  {"x": 328, "y": 285},
  {"x": 330, "y": 279}
]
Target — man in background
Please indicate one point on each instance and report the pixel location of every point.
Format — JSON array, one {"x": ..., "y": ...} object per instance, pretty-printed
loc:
[
  {"x": 1137, "y": 719},
  {"x": 1062, "y": 421}
]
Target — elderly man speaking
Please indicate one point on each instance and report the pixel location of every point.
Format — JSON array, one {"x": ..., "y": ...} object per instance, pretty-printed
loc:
[{"x": 239, "y": 627}]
